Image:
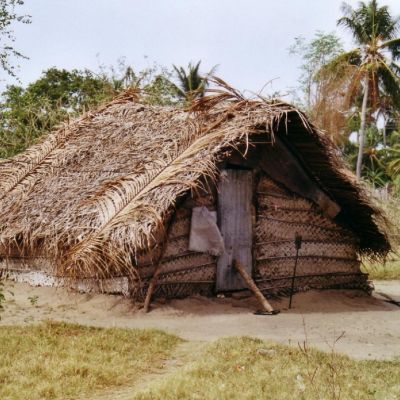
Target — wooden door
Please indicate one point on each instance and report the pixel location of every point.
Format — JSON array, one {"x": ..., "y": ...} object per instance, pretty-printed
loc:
[{"x": 234, "y": 211}]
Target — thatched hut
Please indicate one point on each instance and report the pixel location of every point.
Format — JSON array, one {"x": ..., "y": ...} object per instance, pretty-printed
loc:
[{"x": 115, "y": 193}]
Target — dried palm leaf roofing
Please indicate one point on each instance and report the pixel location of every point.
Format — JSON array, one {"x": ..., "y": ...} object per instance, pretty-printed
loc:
[{"x": 100, "y": 188}]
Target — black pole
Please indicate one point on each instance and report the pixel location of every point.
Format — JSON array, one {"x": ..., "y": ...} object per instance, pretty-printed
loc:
[{"x": 297, "y": 243}]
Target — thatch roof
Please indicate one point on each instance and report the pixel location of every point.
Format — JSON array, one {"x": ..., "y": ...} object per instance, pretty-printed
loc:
[{"x": 100, "y": 188}]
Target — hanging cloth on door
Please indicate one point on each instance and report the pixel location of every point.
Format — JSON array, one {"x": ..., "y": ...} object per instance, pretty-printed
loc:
[{"x": 205, "y": 236}]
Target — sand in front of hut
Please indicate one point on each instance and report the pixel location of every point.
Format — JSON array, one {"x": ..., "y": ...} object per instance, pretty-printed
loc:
[{"x": 368, "y": 325}]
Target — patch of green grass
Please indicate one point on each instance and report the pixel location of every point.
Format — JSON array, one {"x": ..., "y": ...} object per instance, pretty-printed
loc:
[
  {"x": 245, "y": 368},
  {"x": 58, "y": 360},
  {"x": 389, "y": 270}
]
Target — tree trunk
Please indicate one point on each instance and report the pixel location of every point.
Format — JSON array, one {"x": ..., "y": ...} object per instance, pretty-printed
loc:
[
  {"x": 384, "y": 131},
  {"x": 361, "y": 136}
]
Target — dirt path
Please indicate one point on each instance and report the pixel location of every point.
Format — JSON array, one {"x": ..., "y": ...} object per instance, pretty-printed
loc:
[
  {"x": 183, "y": 355},
  {"x": 371, "y": 325}
]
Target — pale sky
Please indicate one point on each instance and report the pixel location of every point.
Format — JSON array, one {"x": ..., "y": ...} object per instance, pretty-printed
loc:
[{"x": 248, "y": 39}]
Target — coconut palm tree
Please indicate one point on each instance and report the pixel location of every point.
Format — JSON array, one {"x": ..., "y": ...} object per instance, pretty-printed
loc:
[
  {"x": 190, "y": 83},
  {"x": 371, "y": 71}
]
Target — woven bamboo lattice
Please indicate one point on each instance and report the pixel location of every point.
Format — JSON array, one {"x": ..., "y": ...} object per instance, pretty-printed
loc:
[
  {"x": 271, "y": 228},
  {"x": 328, "y": 250},
  {"x": 184, "y": 289},
  {"x": 185, "y": 261},
  {"x": 281, "y": 286},
  {"x": 286, "y": 248},
  {"x": 181, "y": 227},
  {"x": 177, "y": 245},
  {"x": 183, "y": 273},
  {"x": 199, "y": 273},
  {"x": 269, "y": 200},
  {"x": 306, "y": 265}
]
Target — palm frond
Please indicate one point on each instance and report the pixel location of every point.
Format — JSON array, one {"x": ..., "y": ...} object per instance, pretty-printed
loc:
[
  {"x": 393, "y": 46},
  {"x": 369, "y": 22},
  {"x": 338, "y": 66},
  {"x": 355, "y": 27},
  {"x": 390, "y": 82}
]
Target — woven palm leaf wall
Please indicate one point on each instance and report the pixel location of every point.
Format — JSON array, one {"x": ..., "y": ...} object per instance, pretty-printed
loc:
[{"x": 327, "y": 257}]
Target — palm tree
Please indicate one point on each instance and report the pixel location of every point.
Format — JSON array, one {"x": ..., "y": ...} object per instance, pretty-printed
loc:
[
  {"x": 190, "y": 83},
  {"x": 371, "y": 71}
]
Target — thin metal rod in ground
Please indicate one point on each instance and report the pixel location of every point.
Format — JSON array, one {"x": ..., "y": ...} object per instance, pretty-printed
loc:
[{"x": 297, "y": 243}]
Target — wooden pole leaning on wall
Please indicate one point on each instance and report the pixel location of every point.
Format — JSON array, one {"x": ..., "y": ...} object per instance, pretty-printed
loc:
[
  {"x": 150, "y": 289},
  {"x": 154, "y": 278},
  {"x": 267, "y": 308}
]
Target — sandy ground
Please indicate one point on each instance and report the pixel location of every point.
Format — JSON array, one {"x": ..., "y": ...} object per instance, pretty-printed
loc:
[{"x": 370, "y": 326}]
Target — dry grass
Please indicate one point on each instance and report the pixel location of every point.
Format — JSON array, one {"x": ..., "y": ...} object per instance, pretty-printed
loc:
[
  {"x": 65, "y": 361},
  {"x": 387, "y": 271},
  {"x": 244, "y": 368}
]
